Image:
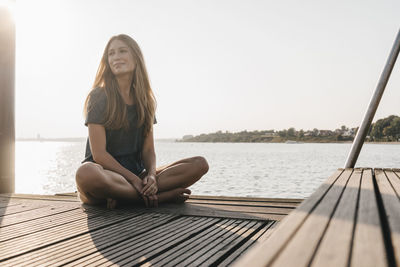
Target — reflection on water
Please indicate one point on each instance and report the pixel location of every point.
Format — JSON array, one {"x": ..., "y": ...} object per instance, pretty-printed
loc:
[
  {"x": 236, "y": 169},
  {"x": 46, "y": 167}
]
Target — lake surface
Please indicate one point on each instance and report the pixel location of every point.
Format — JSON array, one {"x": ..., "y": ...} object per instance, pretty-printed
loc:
[{"x": 236, "y": 169}]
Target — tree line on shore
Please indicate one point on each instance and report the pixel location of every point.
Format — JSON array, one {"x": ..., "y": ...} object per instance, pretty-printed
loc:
[{"x": 383, "y": 130}]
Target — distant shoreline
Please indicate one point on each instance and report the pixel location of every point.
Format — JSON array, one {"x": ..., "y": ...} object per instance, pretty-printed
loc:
[
  {"x": 77, "y": 139},
  {"x": 384, "y": 143},
  {"x": 299, "y": 143},
  {"x": 175, "y": 140},
  {"x": 66, "y": 139}
]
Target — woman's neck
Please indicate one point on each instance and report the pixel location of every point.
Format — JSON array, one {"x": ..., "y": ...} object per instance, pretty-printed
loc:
[{"x": 124, "y": 86}]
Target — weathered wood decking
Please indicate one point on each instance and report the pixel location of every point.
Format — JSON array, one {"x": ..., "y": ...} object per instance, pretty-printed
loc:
[
  {"x": 58, "y": 230},
  {"x": 353, "y": 219}
]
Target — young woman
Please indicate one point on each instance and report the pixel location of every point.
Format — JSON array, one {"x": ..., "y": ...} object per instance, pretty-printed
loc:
[{"x": 120, "y": 162}]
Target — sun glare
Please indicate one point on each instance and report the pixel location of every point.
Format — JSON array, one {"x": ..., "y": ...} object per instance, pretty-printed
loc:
[{"x": 11, "y": 6}]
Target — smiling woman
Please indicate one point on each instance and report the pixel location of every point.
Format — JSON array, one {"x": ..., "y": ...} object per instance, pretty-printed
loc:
[{"x": 120, "y": 160}]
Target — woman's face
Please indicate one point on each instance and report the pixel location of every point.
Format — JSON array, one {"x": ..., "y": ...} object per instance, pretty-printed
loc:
[{"x": 120, "y": 58}]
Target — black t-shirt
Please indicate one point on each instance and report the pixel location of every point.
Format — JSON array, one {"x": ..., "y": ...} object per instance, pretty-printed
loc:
[{"x": 124, "y": 145}]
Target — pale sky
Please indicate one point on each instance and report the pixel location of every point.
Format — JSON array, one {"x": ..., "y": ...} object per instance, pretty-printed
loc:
[{"x": 213, "y": 64}]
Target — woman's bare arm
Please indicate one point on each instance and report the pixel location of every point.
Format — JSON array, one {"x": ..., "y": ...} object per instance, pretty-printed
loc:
[
  {"x": 148, "y": 154},
  {"x": 97, "y": 140},
  {"x": 149, "y": 161}
]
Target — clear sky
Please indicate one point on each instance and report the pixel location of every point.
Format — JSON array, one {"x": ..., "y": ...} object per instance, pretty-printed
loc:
[{"x": 213, "y": 64}]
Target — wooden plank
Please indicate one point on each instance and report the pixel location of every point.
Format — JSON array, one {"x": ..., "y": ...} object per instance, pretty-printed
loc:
[
  {"x": 244, "y": 204},
  {"x": 50, "y": 236},
  {"x": 335, "y": 246},
  {"x": 23, "y": 205},
  {"x": 216, "y": 250},
  {"x": 368, "y": 244},
  {"x": 200, "y": 210},
  {"x": 33, "y": 214},
  {"x": 148, "y": 244},
  {"x": 7, "y": 203},
  {"x": 143, "y": 247},
  {"x": 70, "y": 248},
  {"x": 265, "y": 253},
  {"x": 137, "y": 245},
  {"x": 268, "y": 232},
  {"x": 40, "y": 197},
  {"x": 41, "y": 224},
  {"x": 189, "y": 258},
  {"x": 71, "y": 194},
  {"x": 252, "y": 209},
  {"x": 248, "y": 199},
  {"x": 256, "y": 239},
  {"x": 180, "y": 251},
  {"x": 388, "y": 185},
  {"x": 161, "y": 244},
  {"x": 19, "y": 209},
  {"x": 109, "y": 238},
  {"x": 394, "y": 178},
  {"x": 90, "y": 243},
  {"x": 300, "y": 249}
]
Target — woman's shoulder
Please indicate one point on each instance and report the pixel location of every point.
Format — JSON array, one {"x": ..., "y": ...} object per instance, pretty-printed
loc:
[
  {"x": 97, "y": 94},
  {"x": 98, "y": 91},
  {"x": 96, "y": 107}
]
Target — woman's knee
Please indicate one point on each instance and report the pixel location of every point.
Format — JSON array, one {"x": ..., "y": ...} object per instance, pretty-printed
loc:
[
  {"x": 84, "y": 172},
  {"x": 201, "y": 164},
  {"x": 89, "y": 175}
]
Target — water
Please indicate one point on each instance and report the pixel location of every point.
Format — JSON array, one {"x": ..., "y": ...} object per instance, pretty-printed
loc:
[{"x": 236, "y": 169}]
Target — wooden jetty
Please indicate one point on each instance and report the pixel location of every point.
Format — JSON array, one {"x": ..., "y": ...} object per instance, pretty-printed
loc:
[
  {"x": 38, "y": 230},
  {"x": 353, "y": 219}
]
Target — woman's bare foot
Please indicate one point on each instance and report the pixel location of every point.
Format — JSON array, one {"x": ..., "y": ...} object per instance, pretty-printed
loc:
[{"x": 178, "y": 195}]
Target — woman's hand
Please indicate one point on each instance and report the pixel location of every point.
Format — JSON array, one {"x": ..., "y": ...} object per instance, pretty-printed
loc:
[
  {"x": 140, "y": 186},
  {"x": 149, "y": 185}
]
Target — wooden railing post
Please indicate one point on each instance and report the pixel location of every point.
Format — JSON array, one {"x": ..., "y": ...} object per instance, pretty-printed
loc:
[{"x": 7, "y": 100}]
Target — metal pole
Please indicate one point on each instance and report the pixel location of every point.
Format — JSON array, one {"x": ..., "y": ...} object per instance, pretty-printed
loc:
[
  {"x": 373, "y": 105},
  {"x": 7, "y": 83}
]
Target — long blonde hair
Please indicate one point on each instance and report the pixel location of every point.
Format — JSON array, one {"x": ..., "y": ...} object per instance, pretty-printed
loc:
[{"x": 145, "y": 102}]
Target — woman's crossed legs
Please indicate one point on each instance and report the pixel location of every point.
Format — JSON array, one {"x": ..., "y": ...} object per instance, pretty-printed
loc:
[{"x": 97, "y": 185}]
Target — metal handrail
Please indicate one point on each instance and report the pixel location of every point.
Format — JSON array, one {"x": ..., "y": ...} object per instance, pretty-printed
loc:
[{"x": 373, "y": 105}]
